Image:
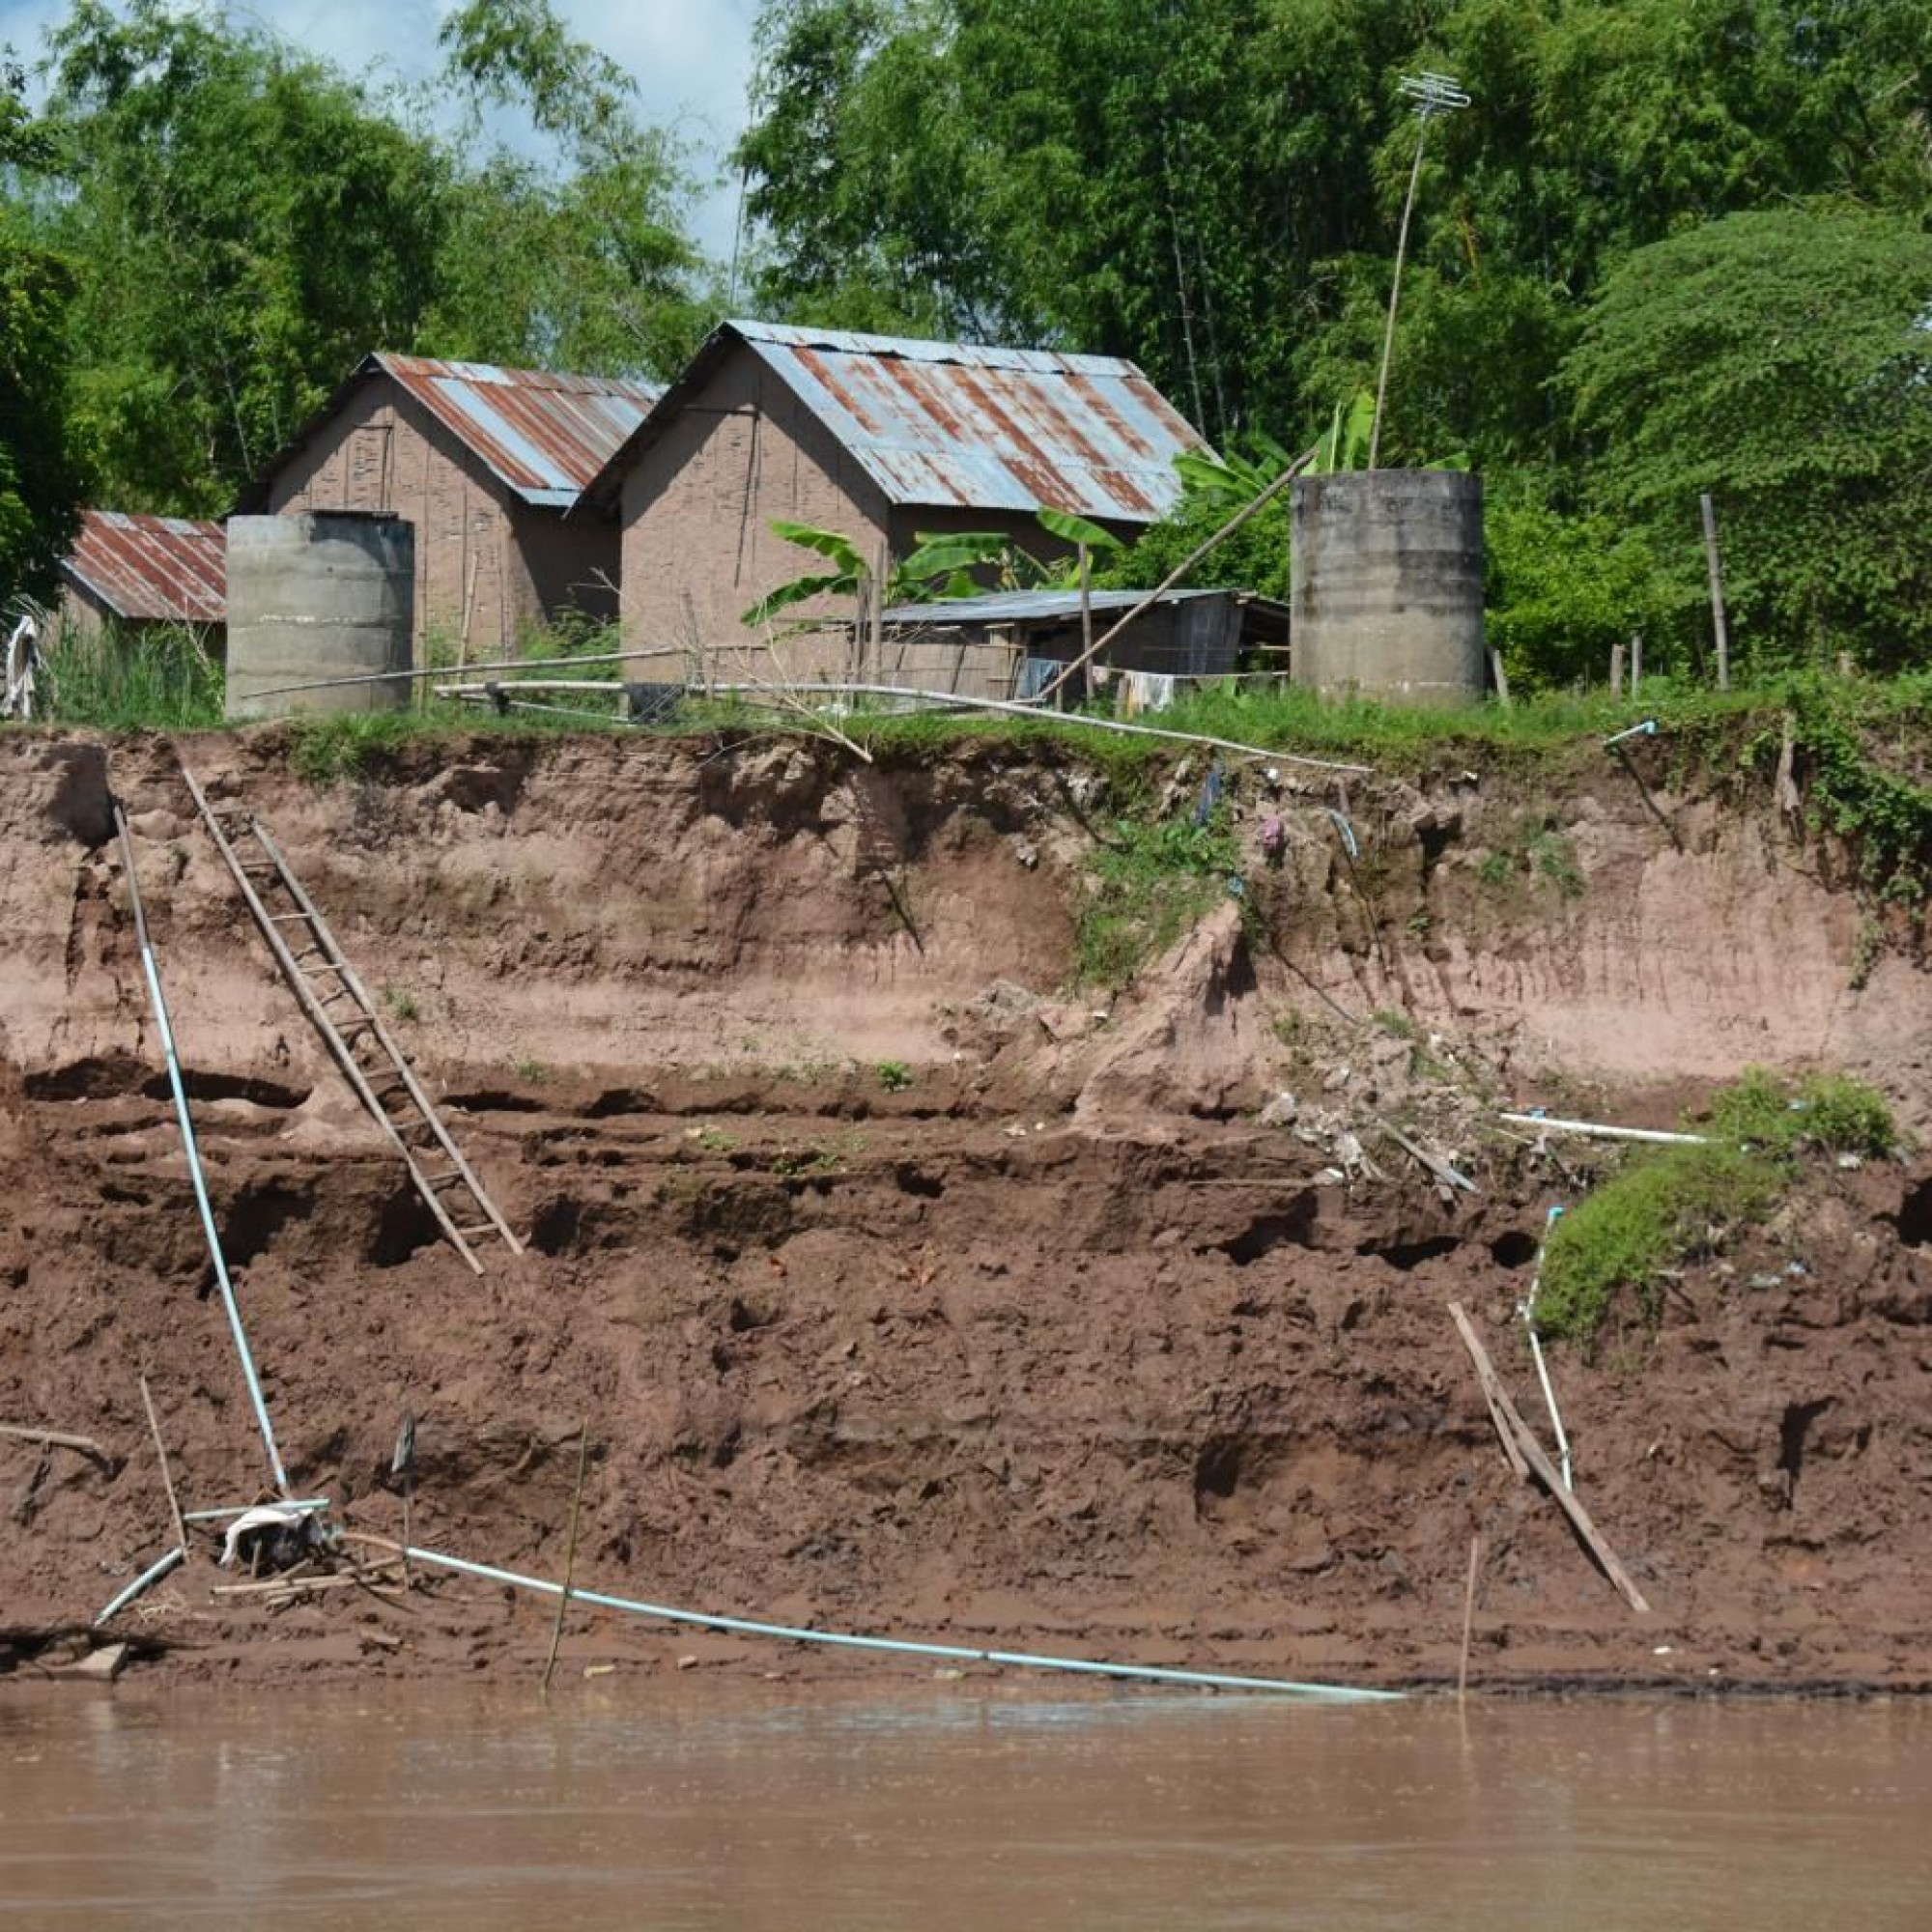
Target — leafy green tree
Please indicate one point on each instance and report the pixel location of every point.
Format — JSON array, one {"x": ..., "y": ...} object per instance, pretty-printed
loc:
[
  {"x": 1781, "y": 361},
  {"x": 583, "y": 262},
  {"x": 1214, "y": 189},
  {"x": 1563, "y": 589},
  {"x": 39, "y": 480},
  {"x": 246, "y": 223}
]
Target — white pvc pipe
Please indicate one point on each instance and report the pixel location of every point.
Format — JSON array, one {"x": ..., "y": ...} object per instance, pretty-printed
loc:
[
  {"x": 952, "y": 1652},
  {"x": 1529, "y": 1312},
  {"x": 1607, "y": 1133}
]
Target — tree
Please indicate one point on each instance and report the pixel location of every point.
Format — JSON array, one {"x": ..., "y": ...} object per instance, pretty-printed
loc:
[
  {"x": 40, "y": 482},
  {"x": 1781, "y": 361},
  {"x": 1212, "y": 189},
  {"x": 583, "y": 262},
  {"x": 246, "y": 222}
]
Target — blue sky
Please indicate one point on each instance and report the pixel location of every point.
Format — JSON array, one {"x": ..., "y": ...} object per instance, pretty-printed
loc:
[{"x": 690, "y": 57}]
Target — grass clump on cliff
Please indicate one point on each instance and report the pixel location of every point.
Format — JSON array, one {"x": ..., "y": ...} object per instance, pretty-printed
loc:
[
  {"x": 1147, "y": 886},
  {"x": 1679, "y": 1203}
]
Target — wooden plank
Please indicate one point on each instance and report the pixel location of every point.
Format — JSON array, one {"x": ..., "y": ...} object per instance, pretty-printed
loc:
[
  {"x": 1493, "y": 1391},
  {"x": 1529, "y": 1450}
]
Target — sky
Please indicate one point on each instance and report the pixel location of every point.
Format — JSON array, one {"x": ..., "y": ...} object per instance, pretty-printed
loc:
[{"x": 690, "y": 57}]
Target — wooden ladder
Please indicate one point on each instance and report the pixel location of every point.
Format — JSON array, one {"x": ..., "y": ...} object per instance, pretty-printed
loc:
[{"x": 348, "y": 1019}]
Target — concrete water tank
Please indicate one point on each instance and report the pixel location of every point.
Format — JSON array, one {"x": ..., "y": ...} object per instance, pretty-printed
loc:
[
  {"x": 319, "y": 594},
  {"x": 1386, "y": 585}
]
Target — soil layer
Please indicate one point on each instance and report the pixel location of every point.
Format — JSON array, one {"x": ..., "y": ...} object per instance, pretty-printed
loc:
[{"x": 902, "y": 1288}]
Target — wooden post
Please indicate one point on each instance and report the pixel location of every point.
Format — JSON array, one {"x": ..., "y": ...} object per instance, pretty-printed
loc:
[
  {"x": 1717, "y": 619},
  {"x": 1616, "y": 670},
  {"x": 569, "y": 1556},
  {"x": 1086, "y": 605},
  {"x": 882, "y": 570},
  {"x": 1469, "y": 1620},
  {"x": 1499, "y": 675},
  {"x": 1526, "y": 1453},
  {"x": 1637, "y": 664},
  {"x": 167, "y": 1477}
]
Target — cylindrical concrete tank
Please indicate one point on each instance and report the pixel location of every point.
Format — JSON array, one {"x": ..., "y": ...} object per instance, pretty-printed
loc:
[
  {"x": 1386, "y": 585},
  {"x": 319, "y": 594}
]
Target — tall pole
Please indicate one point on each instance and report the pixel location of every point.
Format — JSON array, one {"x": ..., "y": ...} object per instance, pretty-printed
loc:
[
  {"x": 1433, "y": 94},
  {"x": 1719, "y": 621}
]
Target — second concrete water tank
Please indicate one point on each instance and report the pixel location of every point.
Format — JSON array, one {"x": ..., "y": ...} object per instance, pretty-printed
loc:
[
  {"x": 320, "y": 594},
  {"x": 1386, "y": 585}
]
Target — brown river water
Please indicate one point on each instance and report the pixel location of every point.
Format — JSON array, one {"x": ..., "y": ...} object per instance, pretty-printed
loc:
[{"x": 945, "y": 1806}]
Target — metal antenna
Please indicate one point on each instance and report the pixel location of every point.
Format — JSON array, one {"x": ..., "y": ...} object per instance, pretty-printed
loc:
[{"x": 1434, "y": 94}]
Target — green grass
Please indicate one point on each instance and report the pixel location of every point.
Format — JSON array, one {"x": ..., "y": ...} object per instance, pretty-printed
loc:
[
  {"x": 1148, "y": 883},
  {"x": 1673, "y": 1204},
  {"x": 160, "y": 677}
]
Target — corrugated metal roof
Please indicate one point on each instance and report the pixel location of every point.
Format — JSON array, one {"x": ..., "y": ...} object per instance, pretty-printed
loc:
[
  {"x": 956, "y": 425},
  {"x": 543, "y": 434},
  {"x": 152, "y": 567},
  {"x": 949, "y": 425},
  {"x": 1019, "y": 607}
]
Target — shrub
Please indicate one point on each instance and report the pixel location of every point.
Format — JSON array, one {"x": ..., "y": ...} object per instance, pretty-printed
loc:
[
  {"x": 1147, "y": 887},
  {"x": 1673, "y": 1204}
]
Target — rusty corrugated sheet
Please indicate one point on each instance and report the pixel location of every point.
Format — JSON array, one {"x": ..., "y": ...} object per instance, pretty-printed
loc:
[
  {"x": 151, "y": 568},
  {"x": 543, "y": 434},
  {"x": 1047, "y": 607},
  {"x": 953, "y": 425}
]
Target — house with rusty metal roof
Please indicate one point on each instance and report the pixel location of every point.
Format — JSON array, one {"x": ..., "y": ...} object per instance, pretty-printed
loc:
[
  {"x": 881, "y": 438},
  {"x": 483, "y": 462},
  {"x": 133, "y": 571}
]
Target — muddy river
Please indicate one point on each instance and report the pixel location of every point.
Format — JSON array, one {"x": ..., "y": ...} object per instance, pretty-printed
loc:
[{"x": 949, "y": 1807}]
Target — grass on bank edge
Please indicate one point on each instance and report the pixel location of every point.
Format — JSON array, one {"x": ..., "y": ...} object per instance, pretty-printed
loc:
[
  {"x": 1668, "y": 1205},
  {"x": 1862, "y": 747}
]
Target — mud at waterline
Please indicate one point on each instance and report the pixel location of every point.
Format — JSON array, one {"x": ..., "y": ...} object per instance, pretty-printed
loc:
[{"x": 899, "y": 1291}]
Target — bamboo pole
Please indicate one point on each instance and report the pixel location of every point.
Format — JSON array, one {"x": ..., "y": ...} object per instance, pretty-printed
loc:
[
  {"x": 1395, "y": 292},
  {"x": 1469, "y": 1620},
  {"x": 1017, "y": 709},
  {"x": 1528, "y": 1449},
  {"x": 474, "y": 670},
  {"x": 1181, "y": 568},
  {"x": 1714, "y": 564},
  {"x": 84, "y": 1445},
  {"x": 569, "y": 1557},
  {"x": 167, "y": 1475},
  {"x": 1501, "y": 675}
]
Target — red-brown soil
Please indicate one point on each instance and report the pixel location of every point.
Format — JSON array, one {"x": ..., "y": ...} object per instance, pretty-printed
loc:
[{"x": 1057, "y": 1346}]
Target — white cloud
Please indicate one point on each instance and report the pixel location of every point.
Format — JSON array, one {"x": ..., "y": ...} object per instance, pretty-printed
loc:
[{"x": 691, "y": 61}]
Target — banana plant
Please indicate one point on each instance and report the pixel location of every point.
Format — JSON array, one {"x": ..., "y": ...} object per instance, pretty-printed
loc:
[{"x": 955, "y": 564}]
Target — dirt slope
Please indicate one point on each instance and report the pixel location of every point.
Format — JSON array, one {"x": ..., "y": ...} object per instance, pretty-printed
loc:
[{"x": 1057, "y": 1345}]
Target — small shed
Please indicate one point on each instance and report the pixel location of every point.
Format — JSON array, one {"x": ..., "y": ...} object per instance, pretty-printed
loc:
[
  {"x": 878, "y": 437},
  {"x": 1012, "y": 643},
  {"x": 483, "y": 462},
  {"x": 137, "y": 571}
]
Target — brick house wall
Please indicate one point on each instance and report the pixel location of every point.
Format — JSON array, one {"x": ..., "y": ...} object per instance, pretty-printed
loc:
[
  {"x": 488, "y": 568},
  {"x": 696, "y": 509}
]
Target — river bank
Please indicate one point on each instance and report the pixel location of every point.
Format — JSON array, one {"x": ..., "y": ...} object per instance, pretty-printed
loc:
[{"x": 902, "y": 1286}]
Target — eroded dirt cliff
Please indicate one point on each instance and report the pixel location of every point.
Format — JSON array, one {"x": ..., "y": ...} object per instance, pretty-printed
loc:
[{"x": 903, "y": 1286}]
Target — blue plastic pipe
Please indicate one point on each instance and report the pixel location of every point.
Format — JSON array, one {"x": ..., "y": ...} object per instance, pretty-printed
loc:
[
  {"x": 208, "y": 1226},
  {"x": 900, "y": 1646},
  {"x": 154, "y": 1573}
]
